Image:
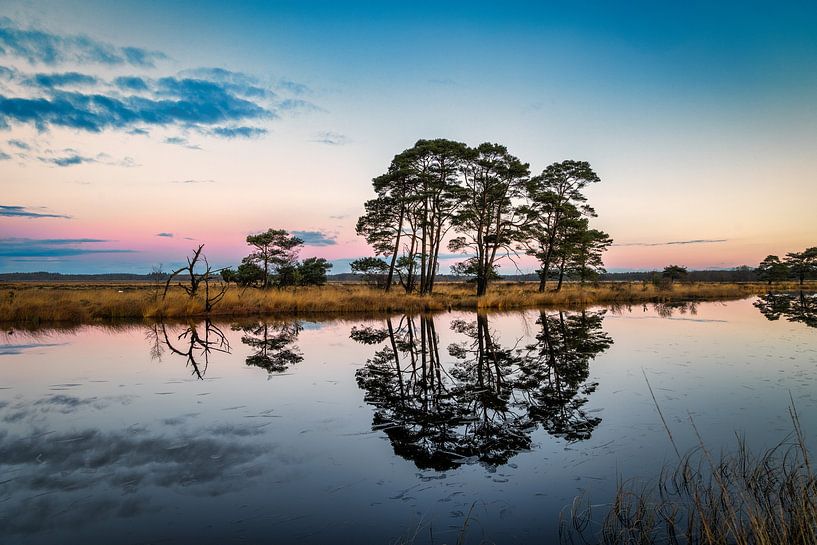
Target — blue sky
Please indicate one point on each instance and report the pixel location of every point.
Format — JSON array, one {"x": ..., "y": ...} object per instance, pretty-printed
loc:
[{"x": 699, "y": 117}]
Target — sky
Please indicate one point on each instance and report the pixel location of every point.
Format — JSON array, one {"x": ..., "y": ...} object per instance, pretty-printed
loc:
[{"x": 132, "y": 131}]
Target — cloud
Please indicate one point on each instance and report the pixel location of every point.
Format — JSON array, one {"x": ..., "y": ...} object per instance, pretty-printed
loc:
[
  {"x": 167, "y": 235},
  {"x": 193, "y": 182},
  {"x": 180, "y": 102},
  {"x": 293, "y": 87},
  {"x": 61, "y": 80},
  {"x": 42, "y": 46},
  {"x": 298, "y": 104},
  {"x": 19, "y": 144},
  {"x": 238, "y": 132},
  {"x": 180, "y": 141},
  {"x": 211, "y": 101},
  {"x": 315, "y": 238},
  {"x": 131, "y": 83},
  {"x": 4, "y": 156},
  {"x": 60, "y": 247},
  {"x": 236, "y": 82},
  {"x": 23, "y": 212},
  {"x": 331, "y": 138},
  {"x": 17, "y": 349},
  {"x": 673, "y": 243},
  {"x": 68, "y": 160}
]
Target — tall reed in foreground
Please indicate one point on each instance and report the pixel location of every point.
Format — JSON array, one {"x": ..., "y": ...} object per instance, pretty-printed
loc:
[{"x": 739, "y": 498}]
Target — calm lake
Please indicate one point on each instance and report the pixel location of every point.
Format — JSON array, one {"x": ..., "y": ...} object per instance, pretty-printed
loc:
[{"x": 366, "y": 431}]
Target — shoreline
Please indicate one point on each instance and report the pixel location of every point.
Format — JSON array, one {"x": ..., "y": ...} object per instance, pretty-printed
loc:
[{"x": 81, "y": 303}]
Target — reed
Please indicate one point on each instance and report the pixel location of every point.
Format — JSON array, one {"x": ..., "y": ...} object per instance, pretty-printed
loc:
[
  {"x": 89, "y": 303},
  {"x": 737, "y": 498}
]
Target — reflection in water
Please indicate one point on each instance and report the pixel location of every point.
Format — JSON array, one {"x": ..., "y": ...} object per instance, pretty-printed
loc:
[
  {"x": 191, "y": 345},
  {"x": 59, "y": 479},
  {"x": 484, "y": 406},
  {"x": 273, "y": 344},
  {"x": 796, "y": 307},
  {"x": 556, "y": 368},
  {"x": 667, "y": 309}
]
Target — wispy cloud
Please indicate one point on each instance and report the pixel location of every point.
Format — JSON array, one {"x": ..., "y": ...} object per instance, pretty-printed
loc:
[
  {"x": 165, "y": 235},
  {"x": 293, "y": 87},
  {"x": 54, "y": 247},
  {"x": 180, "y": 141},
  {"x": 330, "y": 138},
  {"x": 4, "y": 156},
  {"x": 68, "y": 160},
  {"x": 10, "y": 211},
  {"x": 193, "y": 182},
  {"x": 65, "y": 79},
  {"x": 238, "y": 132},
  {"x": 315, "y": 238},
  {"x": 298, "y": 104},
  {"x": 178, "y": 102},
  {"x": 674, "y": 242},
  {"x": 19, "y": 144},
  {"x": 131, "y": 83},
  {"x": 44, "y": 47},
  {"x": 211, "y": 101}
]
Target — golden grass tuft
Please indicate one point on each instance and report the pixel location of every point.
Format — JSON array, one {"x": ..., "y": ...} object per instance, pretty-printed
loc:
[{"x": 88, "y": 303}]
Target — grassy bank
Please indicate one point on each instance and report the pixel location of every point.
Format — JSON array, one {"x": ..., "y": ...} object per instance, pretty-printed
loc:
[{"x": 86, "y": 303}]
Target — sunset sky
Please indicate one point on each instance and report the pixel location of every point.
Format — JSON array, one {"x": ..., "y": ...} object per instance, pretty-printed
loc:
[{"x": 130, "y": 131}]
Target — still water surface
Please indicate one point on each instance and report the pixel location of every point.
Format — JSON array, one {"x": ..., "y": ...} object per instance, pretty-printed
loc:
[{"x": 365, "y": 431}]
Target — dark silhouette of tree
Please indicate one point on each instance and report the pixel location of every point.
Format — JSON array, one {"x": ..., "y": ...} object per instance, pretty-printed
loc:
[
  {"x": 555, "y": 370},
  {"x": 584, "y": 258},
  {"x": 674, "y": 272},
  {"x": 488, "y": 218},
  {"x": 795, "y": 307},
  {"x": 772, "y": 270},
  {"x": 249, "y": 274},
  {"x": 195, "y": 343},
  {"x": 667, "y": 309},
  {"x": 802, "y": 264},
  {"x": 373, "y": 270},
  {"x": 483, "y": 404},
  {"x": 274, "y": 248},
  {"x": 555, "y": 196},
  {"x": 312, "y": 271},
  {"x": 273, "y": 344}
]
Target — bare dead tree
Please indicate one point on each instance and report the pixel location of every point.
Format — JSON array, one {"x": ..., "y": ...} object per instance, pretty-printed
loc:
[
  {"x": 196, "y": 279},
  {"x": 199, "y": 347},
  {"x": 210, "y": 300}
]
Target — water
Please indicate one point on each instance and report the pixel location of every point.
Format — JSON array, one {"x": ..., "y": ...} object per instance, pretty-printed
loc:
[{"x": 300, "y": 431}]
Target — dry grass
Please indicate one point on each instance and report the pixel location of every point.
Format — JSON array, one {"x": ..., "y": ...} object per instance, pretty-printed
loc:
[
  {"x": 738, "y": 498},
  {"x": 88, "y": 303}
]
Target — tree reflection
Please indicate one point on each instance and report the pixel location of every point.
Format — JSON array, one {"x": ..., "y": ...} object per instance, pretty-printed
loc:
[
  {"x": 795, "y": 307},
  {"x": 195, "y": 343},
  {"x": 667, "y": 309},
  {"x": 484, "y": 404},
  {"x": 273, "y": 344}
]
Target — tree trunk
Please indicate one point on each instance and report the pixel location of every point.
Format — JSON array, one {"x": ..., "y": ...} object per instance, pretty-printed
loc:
[
  {"x": 396, "y": 250},
  {"x": 561, "y": 275},
  {"x": 482, "y": 285}
]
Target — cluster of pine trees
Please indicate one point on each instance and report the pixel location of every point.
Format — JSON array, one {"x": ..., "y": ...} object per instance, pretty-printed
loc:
[
  {"x": 273, "y": 262},
  {"x": 484, "y": 203},
  {"x": 799, "y": 265}
]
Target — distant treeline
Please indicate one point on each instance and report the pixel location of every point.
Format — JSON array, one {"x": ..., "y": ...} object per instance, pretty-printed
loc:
[{"x": 741, "y": 274}]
